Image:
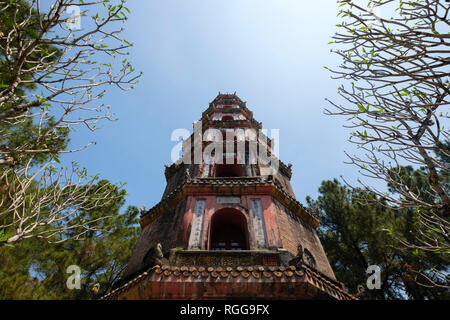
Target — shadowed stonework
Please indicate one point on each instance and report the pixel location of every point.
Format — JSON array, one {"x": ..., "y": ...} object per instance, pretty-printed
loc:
[{"x": 227, "y": 229}]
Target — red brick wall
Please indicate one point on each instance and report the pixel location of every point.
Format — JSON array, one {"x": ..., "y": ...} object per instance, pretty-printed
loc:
[
  {"x": 294, "y": 231},
  {"x": 273, "y": 237},
  {"x": 158, "y": 231}
]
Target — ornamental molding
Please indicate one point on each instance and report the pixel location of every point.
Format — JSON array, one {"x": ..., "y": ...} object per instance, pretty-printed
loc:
[{"x": 227, "y": 187}]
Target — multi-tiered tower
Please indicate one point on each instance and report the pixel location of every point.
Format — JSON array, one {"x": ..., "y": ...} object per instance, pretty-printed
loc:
[{"x": 228, "y": 225}]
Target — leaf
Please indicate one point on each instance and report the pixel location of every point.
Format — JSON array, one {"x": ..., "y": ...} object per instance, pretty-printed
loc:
[
  {"x": 3, "y": 236},
  {"x": 54, "y": 157}
]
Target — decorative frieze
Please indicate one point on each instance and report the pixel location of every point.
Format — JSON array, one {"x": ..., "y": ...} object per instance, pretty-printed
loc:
[
  {"x": 259, "y": 226},
  {"x": 195, "y": 238},
  {"x": 228, "y": 200}
]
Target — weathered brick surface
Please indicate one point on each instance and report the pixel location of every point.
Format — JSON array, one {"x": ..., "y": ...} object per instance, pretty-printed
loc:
[
  {"x": 250, "y": 282},
  {"x": 178, "y": 178},
  {"x": 156, "y": 232},
  {"x": 294, "y": 231},
  {"x": 285, "y": 184}
]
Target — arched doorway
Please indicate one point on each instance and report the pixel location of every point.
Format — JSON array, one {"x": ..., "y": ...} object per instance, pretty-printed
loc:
[
  {"x": 227, "y": 118},
  {"x": 228, "y": 230}
]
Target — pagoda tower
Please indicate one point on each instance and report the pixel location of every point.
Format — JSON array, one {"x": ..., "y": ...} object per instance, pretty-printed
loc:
[{"x": 228, "y": 224}]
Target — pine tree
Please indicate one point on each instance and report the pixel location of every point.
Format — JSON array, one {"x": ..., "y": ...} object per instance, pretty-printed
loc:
[
  {"x": 34, "y": 269},
  {"x": 356, "y": 235}
]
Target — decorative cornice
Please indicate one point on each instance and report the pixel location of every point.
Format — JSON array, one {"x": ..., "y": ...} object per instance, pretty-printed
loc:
[
  {"x": 286, "y": 170},
  {"x": 230, "y": 274},
  {"x": 206, "y": 115},
  {"x": 222, "y": 97},
  {"x": 242, "y": 123},
  {"x": 167, "y": 203},
  {"x": 169, "y": 171},
  {"x": 228, "y": 186}
]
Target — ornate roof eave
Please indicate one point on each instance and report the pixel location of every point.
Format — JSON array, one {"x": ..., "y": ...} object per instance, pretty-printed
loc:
[
  {"x": 211, "y": 109},
  {"x": 303, "y": 274},
  {"x": 233, "y": 186},
  {"x": 172, "y": 169},
  {"x": 169, "y": 171},
  {"x": 245, "y": 123},
  {"x": 229, "y": 96}
]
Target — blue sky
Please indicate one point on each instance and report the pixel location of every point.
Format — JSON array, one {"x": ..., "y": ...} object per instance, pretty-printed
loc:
[{"x": 271, "y": 53}]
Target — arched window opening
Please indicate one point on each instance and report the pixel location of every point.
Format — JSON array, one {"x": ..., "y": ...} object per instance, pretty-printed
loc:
[
  {"x": 228, "y": 231},
  {"x": 227, "y": 118},
  {"x": 225, "y": 170}
]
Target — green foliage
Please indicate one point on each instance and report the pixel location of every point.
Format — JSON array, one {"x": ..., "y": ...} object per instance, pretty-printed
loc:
[
  {"x": 37, "y": 63},
  {"x": 20, "y": 11},
  {"x": 34, "y": 269},
  {"x": 24, "y": 134},
  {"x": 356, "y": 232},
  {"x": 417, "y": 180}
]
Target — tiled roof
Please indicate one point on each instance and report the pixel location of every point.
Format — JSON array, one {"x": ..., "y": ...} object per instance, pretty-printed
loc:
[
  {"x": 259, "y": 274},
  {"x": 227, "y": 96}
]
